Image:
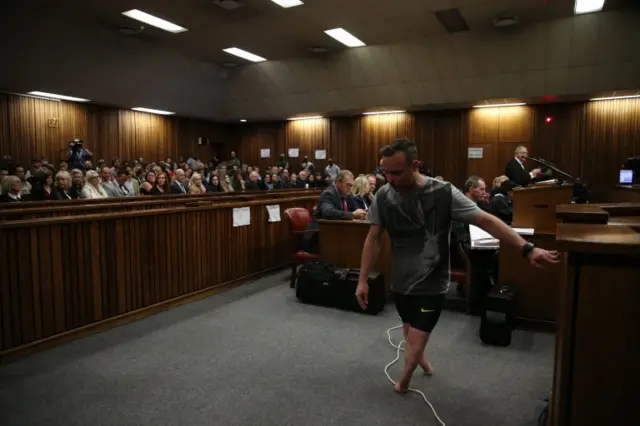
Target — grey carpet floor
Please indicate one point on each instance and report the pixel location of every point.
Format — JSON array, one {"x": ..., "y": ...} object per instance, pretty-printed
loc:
[{"x": 255, "y": 356}]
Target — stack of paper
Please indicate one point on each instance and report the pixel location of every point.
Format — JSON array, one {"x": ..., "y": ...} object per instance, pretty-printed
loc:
[{"x": 481, "y": 238}]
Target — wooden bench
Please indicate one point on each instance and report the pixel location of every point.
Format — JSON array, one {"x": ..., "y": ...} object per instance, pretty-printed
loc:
[
  {"x": 111, "y": 205},
  {"x": 65, "y": 277}
]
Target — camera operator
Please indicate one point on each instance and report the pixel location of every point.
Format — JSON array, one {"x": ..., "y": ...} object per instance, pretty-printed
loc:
[{"x": 77, "y": 154}]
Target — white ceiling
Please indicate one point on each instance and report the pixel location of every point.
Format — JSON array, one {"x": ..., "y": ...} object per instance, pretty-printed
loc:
[{"x": 75, "y": 47}]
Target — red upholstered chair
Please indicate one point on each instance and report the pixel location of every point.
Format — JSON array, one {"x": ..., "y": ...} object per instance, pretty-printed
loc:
[
  {"x": 298, "y": 219},
  {"x": 460, "y": 270}
]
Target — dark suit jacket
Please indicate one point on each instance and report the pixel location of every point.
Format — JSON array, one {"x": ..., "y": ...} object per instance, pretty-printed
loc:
[
  {"x": 501, "y": 208},
  {"x": 59, "y": 195},
  {"x": 355, "y": 202},
  {"x": 517, "y": 174},
  {"x": 175, "y": 188},
  {"x": 330, "y": 206}
]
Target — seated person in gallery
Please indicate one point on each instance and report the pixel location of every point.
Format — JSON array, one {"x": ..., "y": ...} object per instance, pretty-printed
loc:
[
  {"x": 332, "y": 206},
  {"x": 361, "y": 196},
  {"x": 500, "y": 204}
]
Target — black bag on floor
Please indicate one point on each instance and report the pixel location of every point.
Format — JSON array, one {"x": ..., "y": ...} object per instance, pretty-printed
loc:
[
  {"x": 316, "y": 284},
  {"x": 347, "y": 281},
  {"x": 497, "y": 321}
]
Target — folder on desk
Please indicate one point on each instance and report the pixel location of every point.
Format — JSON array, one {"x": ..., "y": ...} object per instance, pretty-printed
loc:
[{"x": 481, "y": 238}]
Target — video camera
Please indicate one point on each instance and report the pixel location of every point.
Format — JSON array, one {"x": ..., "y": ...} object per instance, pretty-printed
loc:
[{"x": 75, "y": 144}]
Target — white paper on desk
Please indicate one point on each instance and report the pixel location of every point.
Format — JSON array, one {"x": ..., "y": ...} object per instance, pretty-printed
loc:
[
  {"x": 274, "y": 212},
  {"x": 525, "y": 231},
  {"x": 321, "y": 154},
  {"x": 481, "y": 238},
  {"x": 294, "y": 152},
  {"x": 265, "y": 153},
  {"x": 241, "y": 216}
]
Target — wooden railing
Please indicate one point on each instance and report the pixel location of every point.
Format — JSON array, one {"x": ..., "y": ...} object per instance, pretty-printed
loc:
[
  {"x": 39, "y": 209},
  {"x": 64, "y": 276}
]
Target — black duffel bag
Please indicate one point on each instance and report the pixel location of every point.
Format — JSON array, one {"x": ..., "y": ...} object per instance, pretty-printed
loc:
[
  {"x": 347, "y": 282},
  {"x": 316, "y": 284}
]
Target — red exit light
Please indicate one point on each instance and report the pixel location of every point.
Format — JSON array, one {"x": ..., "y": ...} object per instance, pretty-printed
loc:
[{"x": 548, "y": 119}]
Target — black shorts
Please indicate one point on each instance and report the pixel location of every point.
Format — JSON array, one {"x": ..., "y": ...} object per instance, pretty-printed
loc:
[{"x": 419, "y": 311}]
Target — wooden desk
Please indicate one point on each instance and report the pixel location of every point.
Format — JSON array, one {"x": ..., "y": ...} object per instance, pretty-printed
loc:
[
  {"x": 626, "y": 193},
  {"x": 596, "y": 372},
  {"x": 341, "y": 243},
  {"x": 535, "y": 206},
  {"x": 536, "y": 300}
]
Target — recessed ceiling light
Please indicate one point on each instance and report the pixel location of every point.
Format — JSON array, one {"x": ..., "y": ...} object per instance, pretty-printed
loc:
[
  {"x": 243, "y": 120},
  {"x": 608, "y": 98},
  {"x": 499, "y": 105},
  {"x": 244, "y": 54},
  {"x": 287, "y": 3},
  {"x": 382, "y": 112},
  {"x": 153, "y": 111},
  {"x": 54, "y": 96},
  {"x": 305, "y": 118},
  {"x": 154, "y": 21},
  {"x": 344, "y": 37},
  {"x": 588, "y": 6}
]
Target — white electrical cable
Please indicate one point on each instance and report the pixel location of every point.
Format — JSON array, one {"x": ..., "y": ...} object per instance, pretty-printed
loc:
[{"x": 399, "y": 348}]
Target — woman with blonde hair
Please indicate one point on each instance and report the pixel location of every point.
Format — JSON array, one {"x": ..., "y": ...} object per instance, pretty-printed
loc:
[
  {"x": 11, "y": 189},
  {"x": 93, "y": 188},
  {"x": 196, "y": 186},
  {"x": 359, "y": 198},
  {"x": 63, "y": 182}
]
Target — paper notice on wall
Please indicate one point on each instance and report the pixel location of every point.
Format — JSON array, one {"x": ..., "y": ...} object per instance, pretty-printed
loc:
[
  {"x": 241, "y": 216},
  {"x": 294, "y": 152},
  {"x": 274, "y": 212},
  {"x": 321, "y": 154},
  {"x": 475, "y": 152},
  {"x": 265, "y": 153}
]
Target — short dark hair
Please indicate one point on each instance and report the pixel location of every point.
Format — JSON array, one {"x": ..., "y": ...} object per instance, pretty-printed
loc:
[
  {"x": 472, "y": 182},
  {"x": 121, "y": 172},
  {"x": 401, "y": 145}
]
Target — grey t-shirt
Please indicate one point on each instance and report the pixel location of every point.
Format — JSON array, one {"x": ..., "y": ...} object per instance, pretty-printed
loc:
[{"x": 419, "y": 224}]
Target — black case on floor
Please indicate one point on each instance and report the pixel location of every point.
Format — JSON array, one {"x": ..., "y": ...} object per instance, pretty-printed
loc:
[
  {"x": 497, "y": 321},
  {"x": 347, "y": 281},
  {"x": 316, "y": 284}
]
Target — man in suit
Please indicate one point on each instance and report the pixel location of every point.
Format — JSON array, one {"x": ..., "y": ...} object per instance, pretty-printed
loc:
[
  {"x": 333, "y": 200},
  {"x": 515, "y": 170},
  {"x": 179, "y": 185},
  {"x": 117, "y": 187},
  {"x": 332, "y": 206}
]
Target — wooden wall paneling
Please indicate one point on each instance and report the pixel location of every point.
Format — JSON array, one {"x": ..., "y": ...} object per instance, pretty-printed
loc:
[
  {"x": 483, "y": 167},
  {"x": 30, "y": 131},
  {"x": 424, "y": 138},
  {"x": 248, "y": 139},
  {"x": 34, "y": 267},
  {"x": 6, "y": 144},
  {"x": 376, "y": 131},
  {"x": 515, "y": 124},
  {"x": 562, "y": 140},
  {"x": 57, "y": 284},
  {"x": 450, "y": 146},
  {"x": 6, "y": 335},
  {"x": 612, "y": 134},
  {"x": 343, "y": 134},
  {"x": 308, "y": 136},
  {"x": 484, "y": 125}
]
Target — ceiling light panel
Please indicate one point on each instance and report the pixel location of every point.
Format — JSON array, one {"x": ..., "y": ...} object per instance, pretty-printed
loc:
[
  {"x": 153, "y": 111},
  {"x": 588, "y": 6},
  {"x": 287, "y": 3},
  {"x": 244, "y": 54},
  {"x": 345, "y": 37},
  {"x": 383, "y": 112},
  {"x": 499, "y": 105},
  {"x": 311, "y": 117},
  {"x": 54, "y": 96},
  {"x": 154, "y": 21}
]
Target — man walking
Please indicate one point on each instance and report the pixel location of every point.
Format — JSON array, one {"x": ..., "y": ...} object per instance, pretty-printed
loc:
[{"x": 416, "y": 211}]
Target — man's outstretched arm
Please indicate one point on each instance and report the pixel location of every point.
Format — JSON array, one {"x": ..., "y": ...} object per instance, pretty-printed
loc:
[{"x": 506, "y": 234}]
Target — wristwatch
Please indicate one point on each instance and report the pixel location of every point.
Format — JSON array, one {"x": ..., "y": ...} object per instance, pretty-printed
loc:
[{"x": 527, "y": 248}]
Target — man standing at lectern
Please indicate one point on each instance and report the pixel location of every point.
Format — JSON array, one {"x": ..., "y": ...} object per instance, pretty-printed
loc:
[{"x": 515, "y": 168}]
